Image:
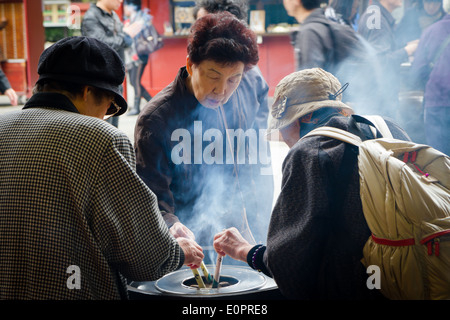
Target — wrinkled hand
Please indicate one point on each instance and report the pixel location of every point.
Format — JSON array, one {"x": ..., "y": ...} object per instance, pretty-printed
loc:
[
  {"x": 231, "y": 242},
  {"x": 193, "y": 253},
  {"x": 12, "y": 96},
  {"x": 179, "y": 230}
]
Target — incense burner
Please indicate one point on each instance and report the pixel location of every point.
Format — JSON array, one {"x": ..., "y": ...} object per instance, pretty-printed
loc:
[{"x": 235, "y": 281}]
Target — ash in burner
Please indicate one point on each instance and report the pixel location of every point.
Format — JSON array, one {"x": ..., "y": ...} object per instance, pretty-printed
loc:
[{"x": 225, "y": 281}]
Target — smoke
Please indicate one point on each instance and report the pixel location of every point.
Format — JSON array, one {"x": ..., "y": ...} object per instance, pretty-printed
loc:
[
  {"x": 220, "y": 204},
  {"x": 379, "y": 82},
  {"x": 364, "y": 73},
  {"x": 215, "y": 188}
]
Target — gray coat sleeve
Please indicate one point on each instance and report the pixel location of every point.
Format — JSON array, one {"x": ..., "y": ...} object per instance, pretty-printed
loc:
[{"x": 127, "y": 222}]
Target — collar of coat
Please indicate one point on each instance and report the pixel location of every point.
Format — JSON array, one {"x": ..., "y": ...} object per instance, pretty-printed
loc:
[{"x": 50, "y": 100}]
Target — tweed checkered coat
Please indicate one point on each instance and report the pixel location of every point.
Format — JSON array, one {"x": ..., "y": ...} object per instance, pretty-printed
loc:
[{"x": 69, "y": 197}]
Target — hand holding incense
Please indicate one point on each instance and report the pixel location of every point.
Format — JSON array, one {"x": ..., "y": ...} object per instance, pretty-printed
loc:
[
  {"x": 216, "y": 279},
  {"x": 198, "y": 278}
]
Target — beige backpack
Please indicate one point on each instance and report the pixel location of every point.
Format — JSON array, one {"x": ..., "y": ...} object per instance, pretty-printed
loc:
[{"x": 405, "y": 195}]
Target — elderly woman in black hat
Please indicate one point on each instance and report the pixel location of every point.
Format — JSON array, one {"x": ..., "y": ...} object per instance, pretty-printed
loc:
[
  {"x": 192, "y": 192},
  {"x": 73, "y": 208},
  {"x": 317, "y": 229}
]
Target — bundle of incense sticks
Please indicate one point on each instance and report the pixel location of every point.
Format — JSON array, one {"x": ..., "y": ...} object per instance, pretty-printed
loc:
[
  {"x": 198, "y": 278},
  {"x": 208, "y": 276},
  {"x": 216, "y": 279}
]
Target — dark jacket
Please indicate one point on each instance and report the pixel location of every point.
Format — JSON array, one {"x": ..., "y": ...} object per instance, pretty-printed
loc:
[
  {"x": 313, "y": 43},
  {"x": 318, "y": 230},
  {"x": 105, "y": 27},
  {"x": 338, "y": 49},
  {"x": 435, "y": 81},
  {"x": 382, "y": 37},
  {"x": 187, "y": 190}
]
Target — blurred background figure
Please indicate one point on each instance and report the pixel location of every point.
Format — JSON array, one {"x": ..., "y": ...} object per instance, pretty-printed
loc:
[
  {"x": 431, "y": 71},
  {"x": 5, "y": 88},
  {"x": 312, "y": 41},
  {"x": 5, "y": 85},
  {"x": 336, "y": 47},
  {"x": 102, "y": 23},
  {"x": 136, "y": 56},
  {"x": 417, "y": 18},
  {"x": 344, "y": 12},
  {"x": 377, "y": 26}
]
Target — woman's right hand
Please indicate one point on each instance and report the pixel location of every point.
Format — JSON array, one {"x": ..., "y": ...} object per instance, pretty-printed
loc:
[{"x": 193, "y": 253}]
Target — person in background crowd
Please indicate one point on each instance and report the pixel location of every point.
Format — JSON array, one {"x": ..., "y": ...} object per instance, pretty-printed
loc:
[
  {"x": 417, "y": 18},
  {"x": 317, "y": 230},
  {"x": 5, "y": 85},
  {"x": 197, "y": 186},
  {"x": 317, "y": 42},
  {"x": 312, "y": 41},
  {"x": 337, "y": 48},
  {"x": 247, "y": 108},
  {"x": 5, "y": 88},
  {"x": 102, "y": 22},
  {"x": 136, "y": 62},
  {"x": 344, "y": 12},
  {"x": 377, "y": 26},
  {"x": 76, "y": 219},
  {"x": 431, "y": 69}
]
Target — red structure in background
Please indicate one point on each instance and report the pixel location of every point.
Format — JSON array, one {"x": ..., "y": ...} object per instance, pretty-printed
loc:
[
  {"x": 35, "y": 39},
  {"x": 22, "y": 42}
]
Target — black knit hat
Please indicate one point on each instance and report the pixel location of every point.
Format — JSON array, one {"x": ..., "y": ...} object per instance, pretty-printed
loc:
[{"x": 85, "y": 61}]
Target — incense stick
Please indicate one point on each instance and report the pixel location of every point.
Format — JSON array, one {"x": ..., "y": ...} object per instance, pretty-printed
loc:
[
  {"x": 246, "y": 231},
  {"x": 217, "y": 271},
  {"x": 198, "y": 278},
  {"x": 208, "y": 276}
]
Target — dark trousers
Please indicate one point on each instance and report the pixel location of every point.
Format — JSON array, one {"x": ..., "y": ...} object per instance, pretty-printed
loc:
[{"x": 135, "y": 75}]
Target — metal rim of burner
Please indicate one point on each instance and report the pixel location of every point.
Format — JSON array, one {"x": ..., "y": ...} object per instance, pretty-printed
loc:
[{"x": 247, "y": 280}]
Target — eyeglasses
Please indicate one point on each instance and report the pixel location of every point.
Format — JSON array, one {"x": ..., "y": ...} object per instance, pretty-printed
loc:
[{"x": 117, "y": 109}]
